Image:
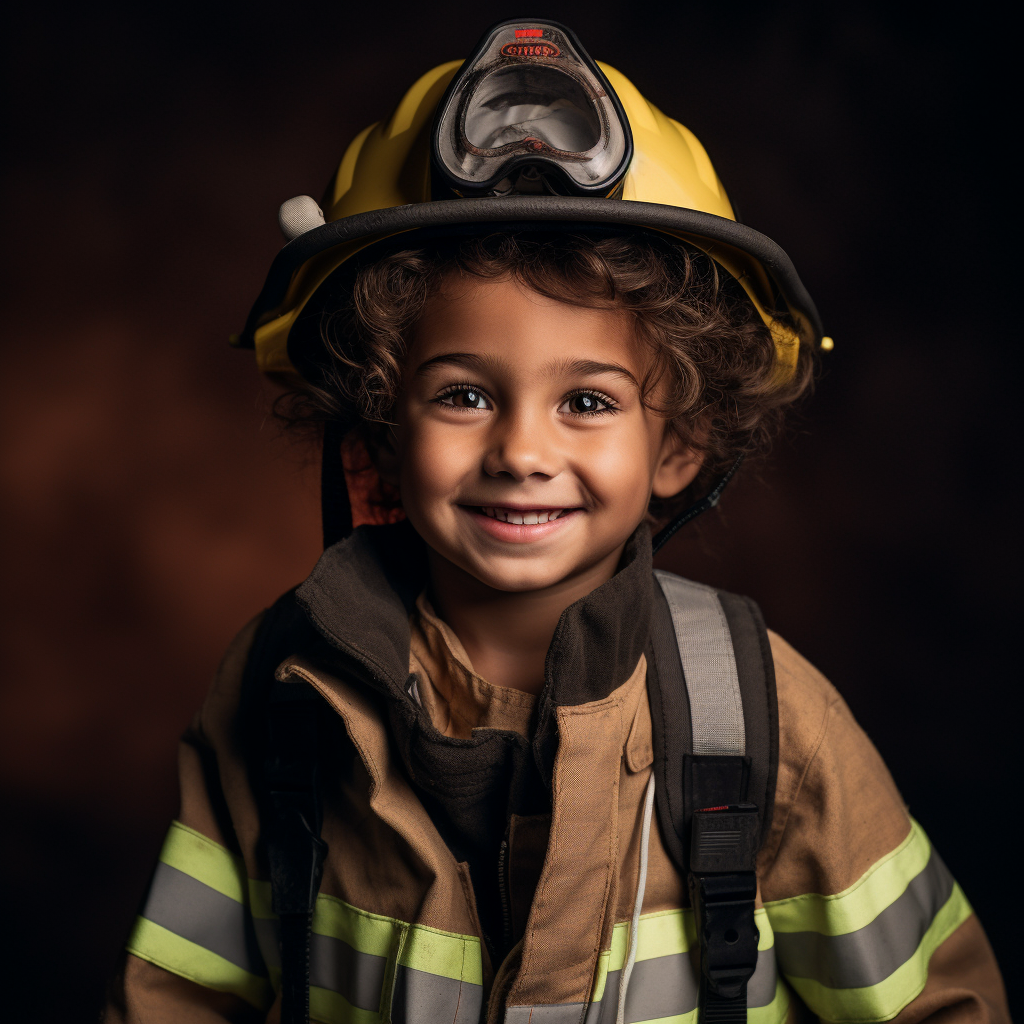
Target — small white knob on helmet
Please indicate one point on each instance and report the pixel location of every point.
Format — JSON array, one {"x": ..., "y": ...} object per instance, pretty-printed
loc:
[{"x": 299, "y": 215}]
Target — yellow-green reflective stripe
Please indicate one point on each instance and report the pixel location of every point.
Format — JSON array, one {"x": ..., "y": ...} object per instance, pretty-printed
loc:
[
  {"x": 662, "y": 934},
  {"x": 365, "y": 941},
  {"x": 665, "y": 982},
  {"x": 676, "y": 1018},
  {"x": 853, "y": 908},
  {"x": 366, "y": 932},
  {"x": 431, "y": 950},
  {"x": 445, "y": 954},
  {"x": 774, "y": 1011},
  {"x": 208, "y": 862},
  {"x": 149, "y": 941},
  {"x": 885, "y": 999},
  {"x": 260, "y": 900},
  {"x": 198, "y": 897},
  {"x": 658, "y": 934}
]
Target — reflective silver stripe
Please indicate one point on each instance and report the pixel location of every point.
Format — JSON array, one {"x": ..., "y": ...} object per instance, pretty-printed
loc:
[
  {"x": 557, "y": 1013},
  {"x": 189, "y": 908},
  {"x": 335, "y": 965},
  {"x": 422, "y": 998},
  {"x": 419, "y": 997},
  {"x": 761, "y": 987},
  {"x": 709, "y": 665},
  {"x": 663, "y": 986},
  {"x": 872, "y": 953}
]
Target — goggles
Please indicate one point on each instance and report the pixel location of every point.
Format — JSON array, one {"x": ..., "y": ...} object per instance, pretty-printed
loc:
[{"x": 530, "y": 112}]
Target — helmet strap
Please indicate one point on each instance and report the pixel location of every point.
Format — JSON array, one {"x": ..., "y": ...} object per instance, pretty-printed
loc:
[
  {"x": 335, "y": 507},
  {"x": 710, "y": 500}
]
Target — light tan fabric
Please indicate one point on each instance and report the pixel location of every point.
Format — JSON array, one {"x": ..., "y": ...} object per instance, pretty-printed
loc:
[
  {"x": 147, "y": 994},
  {"x": 375, "y": 812},
  {"x": 837, "y": 811},
  {"x": 456, "y": 698},
  {"x": 580, "y": 869},
  {"x": 964, "y": 985}
]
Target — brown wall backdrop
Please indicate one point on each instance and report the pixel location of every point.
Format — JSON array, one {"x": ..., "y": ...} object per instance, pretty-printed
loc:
[{"x": 149, "y": 508}]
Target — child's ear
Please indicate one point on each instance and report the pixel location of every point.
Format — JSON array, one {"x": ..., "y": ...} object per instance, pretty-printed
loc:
[{"x": 677, "y": 467}]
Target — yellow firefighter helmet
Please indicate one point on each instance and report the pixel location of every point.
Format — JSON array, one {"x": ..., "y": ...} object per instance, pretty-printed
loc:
[{"x": 529, "y": 133}]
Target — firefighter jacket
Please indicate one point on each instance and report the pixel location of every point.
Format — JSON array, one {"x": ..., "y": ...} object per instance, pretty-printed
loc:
[{"x": 484, "y": 845}]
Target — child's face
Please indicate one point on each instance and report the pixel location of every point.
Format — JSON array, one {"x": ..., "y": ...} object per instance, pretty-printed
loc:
[{"x": 525, "y": 455}]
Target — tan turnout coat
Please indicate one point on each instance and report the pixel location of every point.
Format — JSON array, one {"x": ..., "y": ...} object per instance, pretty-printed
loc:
[{"x": 394, "y": 896}]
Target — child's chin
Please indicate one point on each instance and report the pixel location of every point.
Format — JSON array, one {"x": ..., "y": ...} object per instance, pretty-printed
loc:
[{"x": 516, "y": 575}]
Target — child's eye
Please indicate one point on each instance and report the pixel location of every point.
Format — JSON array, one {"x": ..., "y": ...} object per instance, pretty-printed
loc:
[
  {"x": 465, "y": 398},
  {"x": 585, "y": 403}
]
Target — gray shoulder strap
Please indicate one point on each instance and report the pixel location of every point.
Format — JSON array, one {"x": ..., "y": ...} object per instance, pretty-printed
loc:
[
  {"x": 709, "y": 666},
  {"x": 713, "y": 705}
]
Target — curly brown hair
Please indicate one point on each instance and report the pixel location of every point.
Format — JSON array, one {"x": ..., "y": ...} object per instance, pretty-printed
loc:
[{"x": 714, "y": 367}]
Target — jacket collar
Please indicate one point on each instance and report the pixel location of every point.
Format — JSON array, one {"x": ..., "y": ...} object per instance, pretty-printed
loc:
[{"x": 362, "y": 590}]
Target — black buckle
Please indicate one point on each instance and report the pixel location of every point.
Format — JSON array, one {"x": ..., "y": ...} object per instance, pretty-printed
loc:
[
  {"x": 722, "y": 851},
  {"x": 723, "y": 840},
  {"x": 729, "y": 937}
]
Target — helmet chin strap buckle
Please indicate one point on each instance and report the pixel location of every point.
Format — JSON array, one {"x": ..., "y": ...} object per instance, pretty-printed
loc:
[{"x": 710, "y": 500}]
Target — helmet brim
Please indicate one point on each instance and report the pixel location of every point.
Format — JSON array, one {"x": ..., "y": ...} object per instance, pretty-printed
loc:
[{"x": 706, "y": 230}]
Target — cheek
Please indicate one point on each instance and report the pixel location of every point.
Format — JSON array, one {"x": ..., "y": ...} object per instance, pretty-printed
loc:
[
  {"x": 431, "y": 461},
  {"x": 617, "y": 467}
]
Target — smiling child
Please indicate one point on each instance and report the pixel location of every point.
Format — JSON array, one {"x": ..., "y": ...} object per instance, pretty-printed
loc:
[{"x": 485, "y": 764}]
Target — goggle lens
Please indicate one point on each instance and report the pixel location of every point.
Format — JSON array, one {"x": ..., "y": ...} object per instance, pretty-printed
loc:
[{"x": 530, "y": 105}]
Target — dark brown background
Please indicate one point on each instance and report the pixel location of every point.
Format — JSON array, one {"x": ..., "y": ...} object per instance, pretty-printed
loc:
[{"x": 149, "y": 510}]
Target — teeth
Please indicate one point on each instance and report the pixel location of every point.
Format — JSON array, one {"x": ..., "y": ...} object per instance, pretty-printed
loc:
[{"x": 508, "y": 515}]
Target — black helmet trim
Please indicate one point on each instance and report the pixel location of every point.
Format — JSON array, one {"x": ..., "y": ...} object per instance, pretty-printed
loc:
[
  {"x": 673, "y": 220},
  {"x": 529, "y": 111}
]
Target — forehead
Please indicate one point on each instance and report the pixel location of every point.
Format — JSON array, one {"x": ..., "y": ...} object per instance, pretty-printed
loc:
[{"x": 504, "y": 321}]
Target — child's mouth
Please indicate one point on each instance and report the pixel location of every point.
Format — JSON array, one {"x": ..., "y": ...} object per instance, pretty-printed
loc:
[
  {"x": 523, "y": 517},
  {"x": 520, "y": 525}
]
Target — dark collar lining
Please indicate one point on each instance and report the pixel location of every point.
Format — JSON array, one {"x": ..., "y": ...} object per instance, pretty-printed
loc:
[{"x": 362, "y": 590}]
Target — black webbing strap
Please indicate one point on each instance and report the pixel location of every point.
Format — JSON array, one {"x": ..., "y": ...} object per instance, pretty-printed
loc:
[
  {"x": 709, "y": 501},
  {"x": 714, "y": 814},
  {"x": 295, "y": 851},
  {"x": 335, "y": 505}
]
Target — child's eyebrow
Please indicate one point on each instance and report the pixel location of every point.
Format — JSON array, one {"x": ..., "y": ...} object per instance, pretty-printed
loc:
[
  {"x": 585, "y": 367},
  {"x": 470, "y": 360},
  {"x": 573, "y": 367}
]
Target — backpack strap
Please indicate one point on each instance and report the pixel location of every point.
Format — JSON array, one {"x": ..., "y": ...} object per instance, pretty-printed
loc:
[
  {"x": 283, "y": 722},
  {"x": 716, "y": 812}
]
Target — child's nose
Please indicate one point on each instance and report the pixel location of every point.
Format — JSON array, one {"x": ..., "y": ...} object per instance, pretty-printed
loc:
[{"x": 520, "y": 447}]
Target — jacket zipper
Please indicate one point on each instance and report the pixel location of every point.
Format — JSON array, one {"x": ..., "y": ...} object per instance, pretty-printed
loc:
[{"x": 506, "y": 923}]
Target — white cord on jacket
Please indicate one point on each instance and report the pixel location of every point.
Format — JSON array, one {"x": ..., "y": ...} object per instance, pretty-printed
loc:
[{"x": 641, "y": 885}]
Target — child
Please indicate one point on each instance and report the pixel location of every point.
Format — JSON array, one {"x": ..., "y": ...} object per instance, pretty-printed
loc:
[{"x": 423, "y": 786}]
